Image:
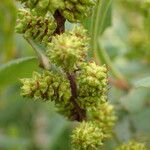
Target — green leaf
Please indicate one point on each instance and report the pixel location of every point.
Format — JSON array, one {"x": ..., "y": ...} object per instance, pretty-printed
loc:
[
  {"x": 135, "y": 100},
  {"x": 141, "y": 121},
  {"x": 100, "y": 21},
  {"x": 59, "y": 133},
  {"x": 7, "y": 142},
  {"x": 101, "y": 17},
  {"x": 19, "y": 68},
  {"x": 145, "y": 82},
  {"x": 122, "y": 130}
]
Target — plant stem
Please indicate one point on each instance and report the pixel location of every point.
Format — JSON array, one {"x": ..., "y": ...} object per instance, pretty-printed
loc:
[
  {"x": 81, "y": 112},
  {"x": 60, "y": 22}
]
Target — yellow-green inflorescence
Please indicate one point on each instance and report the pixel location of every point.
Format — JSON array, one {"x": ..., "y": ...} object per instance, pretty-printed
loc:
[
  {"x": 92, "y": 84},
  {"x": 90, "y": 135},
  {"x": 79, "y": 87},
  {"x": 132, "y": 145},
  {"x": 72, "y": 10},
  {"x": 103, "y": 116},
  {"x": 38, "y": 28},
  {"x": 68, "y": 49},
  {"x": 47, "y": 86},
  {"x": 87, "y": 136}
]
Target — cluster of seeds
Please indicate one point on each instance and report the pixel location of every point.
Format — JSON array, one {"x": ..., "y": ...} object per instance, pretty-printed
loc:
[
  {"x": 92, "y": 84},
  {"x": 68, "y": 49},
  {"x": 72, "y": 10},
  {"x": 104, "y": 117},
  {"x": 87, "y": 137},
  {"x": 46, "y": 86},
  {"x": 38, "y": 28},
  {"x": 75, "y": 10}
]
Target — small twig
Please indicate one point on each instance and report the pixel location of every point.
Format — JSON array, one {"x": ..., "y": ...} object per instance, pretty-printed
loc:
[{"x": 73, "y": 86}]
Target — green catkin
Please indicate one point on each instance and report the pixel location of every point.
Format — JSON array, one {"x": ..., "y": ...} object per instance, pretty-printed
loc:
[
  {"x": 90, "y": 135},
  {"x": 38, "y": 28},
  {"x": 75, "y": 10}
]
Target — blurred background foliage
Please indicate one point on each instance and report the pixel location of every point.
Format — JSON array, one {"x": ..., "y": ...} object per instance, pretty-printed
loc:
[{"x": 29, "y": 125}]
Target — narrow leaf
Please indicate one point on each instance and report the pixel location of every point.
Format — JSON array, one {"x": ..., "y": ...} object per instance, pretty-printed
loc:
[
  {"x": 100, "y": 21},
  {"x": 13, "y": 70}
]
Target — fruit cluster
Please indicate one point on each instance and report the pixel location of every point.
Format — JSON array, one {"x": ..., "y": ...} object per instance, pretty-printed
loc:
[
  {"x": 79, "y": 85},
  {"x": 72, "y": 10},
  {"x": 46, "y": 86},
  {"x": 92, "y": 84},
  {"x": 67, "y": 50},
  {"x": 87, "y": 137},
  {"x": 38, "y": 28}
]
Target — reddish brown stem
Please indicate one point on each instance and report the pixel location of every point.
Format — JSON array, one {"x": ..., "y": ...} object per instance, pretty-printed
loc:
[
  {"x": 81, "y": 112},
  {"x": 60, "y": 22},
  {"x": 81, "y": 115}
]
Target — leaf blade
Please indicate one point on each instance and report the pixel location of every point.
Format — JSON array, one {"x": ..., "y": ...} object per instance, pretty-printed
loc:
[{"x": 13, "y": 70}]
